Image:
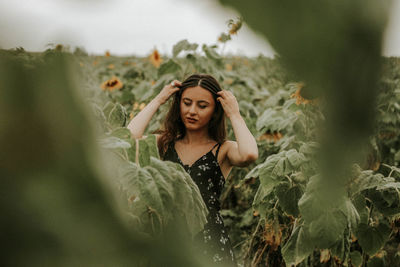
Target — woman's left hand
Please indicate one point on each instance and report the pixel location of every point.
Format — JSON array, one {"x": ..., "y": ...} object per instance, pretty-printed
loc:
[{"x": 229, "y": 103}]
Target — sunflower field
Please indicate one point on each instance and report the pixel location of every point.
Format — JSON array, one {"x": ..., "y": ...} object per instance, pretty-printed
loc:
[{"x": 79, "y": 190}]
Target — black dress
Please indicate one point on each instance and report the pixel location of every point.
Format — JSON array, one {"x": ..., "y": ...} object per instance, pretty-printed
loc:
[{"x": 208, "y": 176}]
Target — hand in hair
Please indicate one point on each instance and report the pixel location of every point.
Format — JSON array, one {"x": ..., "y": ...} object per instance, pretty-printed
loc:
[
  {"x": 229, "y": 103},
  {"x": 139, "y": 123},
  {"x": 167, "y": 91}
]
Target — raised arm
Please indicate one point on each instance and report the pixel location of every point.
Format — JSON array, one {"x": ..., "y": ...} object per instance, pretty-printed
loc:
[
  {"x": 139, "y": 123},
  {"x": 244, "y": 151}
]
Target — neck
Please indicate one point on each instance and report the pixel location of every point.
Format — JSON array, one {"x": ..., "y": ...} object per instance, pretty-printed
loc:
[{"x": 196, "y": 137}]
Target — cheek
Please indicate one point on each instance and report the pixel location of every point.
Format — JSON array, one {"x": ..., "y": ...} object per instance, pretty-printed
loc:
[
  {"x": 182, "y": 108},
  {"x": 207, "y": 114}
]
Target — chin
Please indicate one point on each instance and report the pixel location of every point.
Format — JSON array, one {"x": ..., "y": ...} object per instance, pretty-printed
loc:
[{"x": 192, "y": 127}]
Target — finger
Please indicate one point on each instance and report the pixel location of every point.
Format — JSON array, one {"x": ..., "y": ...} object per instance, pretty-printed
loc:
[
  {"x": 177, "y": 82},
  {"x": 174, "y": 83},
  {"x": 221, "y": 94}
]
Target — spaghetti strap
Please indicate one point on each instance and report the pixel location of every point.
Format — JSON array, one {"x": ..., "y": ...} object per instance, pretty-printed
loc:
[
  {"x": 216, "y": 153},
  {"x": 214, "y": 146}
]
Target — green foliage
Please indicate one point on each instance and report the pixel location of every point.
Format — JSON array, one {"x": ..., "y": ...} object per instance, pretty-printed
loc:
[
  {"x": 353, "y": 217},
  {"x": 56, "y": 204},
  {"x": 155, "y": 194}
]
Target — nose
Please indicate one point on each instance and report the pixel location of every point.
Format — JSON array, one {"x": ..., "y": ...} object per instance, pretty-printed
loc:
[{"x": 192, "y": 109}]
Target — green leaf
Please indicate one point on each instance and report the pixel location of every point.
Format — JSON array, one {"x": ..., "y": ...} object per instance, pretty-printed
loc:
[
  {"x": 255, "y": 172},
  {"x": 288, "y": 198},
  {"x": 309, "y": 148},
  {"x": 212, "y": 54},
  {"x": 298, "y": 247},
  {"x": 115, "y": 114},
  {"x": 351, "y": 213},
  {"x": 377, "y": 262},
  {"x": 183, "y": 45},
  {"x": 261, "y": 193},
  {"x": 265, "y": 118},
  {"x": 270, "y": 172},
  {"x": 327, "y": 228},
  {"x": 386, "y": 201},
  {"x": 361, "y": 206},
  {"x": 121, "y": 132},
  {"x": 372, "y": 238},
  {"x": 169, "y": 67},
  {"x": 295, "y": 158},
  {"x": 368, "y": 180},
  {"x": 356, "y": 258},
  {"x": 161, "y": 194},
  {"x": 114, "y": 142},
  {"x": 323, "y": 212}
]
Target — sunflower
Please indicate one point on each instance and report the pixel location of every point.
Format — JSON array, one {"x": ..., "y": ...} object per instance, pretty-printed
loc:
[
  {"x": 234, "y": 26},
  {"x": 59, "y": 47},
  {"x": 107, "y": 54},
  {"x": 155, "y": 58},
  {"x": 111, "y": 66},
  {"x": 275, "y": 136},
  {"x": 111, "y": 85},
  {"x": 297, "y": 95}
]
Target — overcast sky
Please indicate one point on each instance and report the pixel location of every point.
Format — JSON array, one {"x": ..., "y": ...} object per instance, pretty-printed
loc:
[{"x": 136, "y": 27}]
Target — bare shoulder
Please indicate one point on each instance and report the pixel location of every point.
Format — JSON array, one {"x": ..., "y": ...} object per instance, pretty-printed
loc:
[
  {"x": 227, "y": 144},
  {"x": 232, "y": 156},
  {"x": 225, "y": 147}
]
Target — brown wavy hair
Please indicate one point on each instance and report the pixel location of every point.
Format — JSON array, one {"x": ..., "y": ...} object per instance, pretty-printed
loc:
[{"x": 173, "y": 128}]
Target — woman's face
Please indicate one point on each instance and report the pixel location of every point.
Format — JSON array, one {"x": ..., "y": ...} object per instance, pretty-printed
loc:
[{"x": 197, "y": 107}]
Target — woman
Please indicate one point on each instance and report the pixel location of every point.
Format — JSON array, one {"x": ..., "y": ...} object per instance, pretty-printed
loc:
[{"x": 194, "y": 136}]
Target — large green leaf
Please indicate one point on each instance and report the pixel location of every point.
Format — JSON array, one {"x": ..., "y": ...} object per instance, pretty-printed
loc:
[
  {"x": 162, "y": 194},
  {"x": 298, "y": 247},
  {"x": 115, "y": 114},
  {"x": 288, "y": 197},
  {"x": 325, "y": 215},
  {"x": 372, "y": 238},
  {"x": 147, "y": 148}
]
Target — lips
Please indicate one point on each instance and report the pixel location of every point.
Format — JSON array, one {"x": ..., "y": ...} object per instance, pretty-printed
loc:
[{"x": 191, "y": 120}]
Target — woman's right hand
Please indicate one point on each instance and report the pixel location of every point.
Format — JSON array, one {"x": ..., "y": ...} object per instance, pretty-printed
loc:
[{"x": 167, "y": 91}]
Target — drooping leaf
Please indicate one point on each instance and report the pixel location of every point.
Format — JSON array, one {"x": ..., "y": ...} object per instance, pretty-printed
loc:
[{"x": 183, "y": 45}]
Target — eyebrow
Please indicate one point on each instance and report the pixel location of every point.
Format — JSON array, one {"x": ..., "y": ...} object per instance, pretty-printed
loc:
[{"x": 185, "y": 98}]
